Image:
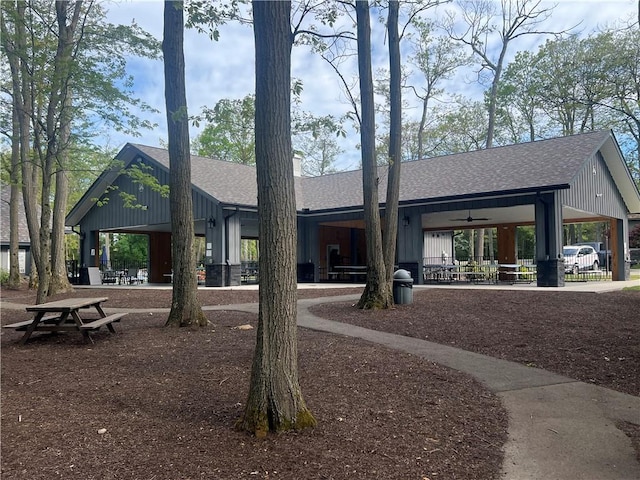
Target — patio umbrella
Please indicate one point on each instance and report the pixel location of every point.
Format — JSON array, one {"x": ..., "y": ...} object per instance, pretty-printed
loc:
[{"x": 104, "y": 257}]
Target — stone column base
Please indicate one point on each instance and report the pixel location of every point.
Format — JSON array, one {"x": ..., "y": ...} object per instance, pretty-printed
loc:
[
  {"x": 222, "y": 275},
  {"x": 550, "y": 273}
]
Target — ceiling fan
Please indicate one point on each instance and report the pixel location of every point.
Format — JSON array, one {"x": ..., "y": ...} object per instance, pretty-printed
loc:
[{"x": 469, "y": 219}]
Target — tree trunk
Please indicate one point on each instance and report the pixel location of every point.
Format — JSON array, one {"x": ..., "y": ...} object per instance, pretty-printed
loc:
[
  {"x": 59, "y": 280},
  {"x": 377, "y": 292},
  {"x": 22, "y": 85},
  {"x": 185, "y": 307},
  {"x": 395, "y": 144},
  {"x": 275, "y": 401},
  {"x": 14, "y": 212}
]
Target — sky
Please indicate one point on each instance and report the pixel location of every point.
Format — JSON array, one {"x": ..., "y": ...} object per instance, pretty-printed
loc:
[{"x": 225, "y": 69}]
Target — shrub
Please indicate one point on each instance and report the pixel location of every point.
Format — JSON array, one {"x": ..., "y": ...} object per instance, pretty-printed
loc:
[
  {"x": 634, "y": 237},
  {"x": 4, "y": 277}
]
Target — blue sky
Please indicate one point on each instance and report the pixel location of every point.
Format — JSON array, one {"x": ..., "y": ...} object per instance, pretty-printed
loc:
[{"x": 224, "y": 69}]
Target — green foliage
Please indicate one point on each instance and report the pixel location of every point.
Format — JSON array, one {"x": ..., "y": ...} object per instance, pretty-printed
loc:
[
  {"x": 4, "y": 277},
  {"x": 142, "y": 174},
  {"x": 129, "y": 249},
  {"x": 526, "y": 242},
  {"x": 230, "y": 133},
  {"x": 315, "y": 139},
  {"x": 206, "y": 16},
  {"x": 634, "y": 237},
  {"x": 576, "y": 84}
]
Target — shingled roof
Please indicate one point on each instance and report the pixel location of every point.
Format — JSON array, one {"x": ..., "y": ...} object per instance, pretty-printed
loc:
[
  {"x": 23, "y": 230},
  {"x": 521, "y": 167},
  {"x": 228, "y": 182}
]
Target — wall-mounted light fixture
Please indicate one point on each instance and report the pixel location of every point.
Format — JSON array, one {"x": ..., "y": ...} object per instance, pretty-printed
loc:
[
  {"x": 211, "y": 222},
  {"x": 406, "y": 221}
]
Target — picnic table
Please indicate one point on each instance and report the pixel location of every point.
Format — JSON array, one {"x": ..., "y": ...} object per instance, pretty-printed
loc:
[
  {"x": 64, "y": 315},
  {"x": 353, "y": 272},
  {"x": 515, "y": 273}
]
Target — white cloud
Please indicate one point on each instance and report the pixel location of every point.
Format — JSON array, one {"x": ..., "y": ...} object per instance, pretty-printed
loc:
[{"x": 225, "y": 69}]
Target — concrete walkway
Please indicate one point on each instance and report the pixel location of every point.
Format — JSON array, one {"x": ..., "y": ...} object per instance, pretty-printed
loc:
[{"x": 559, "y": 428}]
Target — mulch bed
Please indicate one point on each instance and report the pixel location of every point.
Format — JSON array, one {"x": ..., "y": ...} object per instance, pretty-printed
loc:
[
  {"x": 157, "y": 403},
  {"x": 168, "y": 398},
  {"x": 590, "y": 337}
]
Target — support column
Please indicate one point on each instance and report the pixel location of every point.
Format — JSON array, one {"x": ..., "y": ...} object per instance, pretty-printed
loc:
[
  {"x": 549, "y": 259},
  {"x": 410, "y": 244},
  {"x": 214, "y": 251},
  {"x": 620, "y": 267}
]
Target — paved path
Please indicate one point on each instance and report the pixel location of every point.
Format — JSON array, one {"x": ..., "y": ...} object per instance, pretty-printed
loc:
[{"x": 559, "y": 428}]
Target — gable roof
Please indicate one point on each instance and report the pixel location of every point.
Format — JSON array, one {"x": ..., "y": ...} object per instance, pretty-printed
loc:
[{"x": 519, "y": 168}]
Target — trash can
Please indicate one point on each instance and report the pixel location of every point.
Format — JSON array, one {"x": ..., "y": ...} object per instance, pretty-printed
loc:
[{"x": 402, "y": 287}]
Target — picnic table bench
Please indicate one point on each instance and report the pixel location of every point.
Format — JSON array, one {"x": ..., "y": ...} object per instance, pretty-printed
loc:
[
  {"x": 353, "y": 272},
  {"x": 64, "y": 315},
  {"x": 516, "y": 273}
]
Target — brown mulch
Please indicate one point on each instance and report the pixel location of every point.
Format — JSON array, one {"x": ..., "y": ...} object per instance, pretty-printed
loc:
[
  {"x": 591, "y": 337},
  {"x": 168, "y": 398},
  {"x": 157, "y": 403}
]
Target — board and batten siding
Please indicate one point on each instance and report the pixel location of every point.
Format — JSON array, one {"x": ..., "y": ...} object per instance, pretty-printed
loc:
[
  {"x": 437, "y": 243},
  {"x": 594, "y": 190},
  {"x": 155, "y": 208}
]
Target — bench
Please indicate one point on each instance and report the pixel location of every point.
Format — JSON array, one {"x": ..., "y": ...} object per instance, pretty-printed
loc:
[
  {"x": 585, "y": 275},
  {"x": 521, "y": 276},
  {"x": 23, "y": 325},
  {"x": 108, "y": 320}
]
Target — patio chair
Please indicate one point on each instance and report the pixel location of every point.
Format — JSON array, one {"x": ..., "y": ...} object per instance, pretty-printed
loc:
[{"x": 132, "y": 276}]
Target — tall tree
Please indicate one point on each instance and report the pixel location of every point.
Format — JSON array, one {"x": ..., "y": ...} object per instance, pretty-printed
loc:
[
  {"x": 229, "y": 134},
  {"x": 395, "y": 142},
  {"x": 437, "y": 57},
  {"x": 518, "y": 18},
  {"x": 623, "y": 73},
  {"x": 18, "y": 118},
  {"x": 275, "y": 400},
  {"x": 377, "y": 292},
  {"x": 315, "y": 139},
  {"x": 185, "y": 307},
  {"x": 70, "y": 62},
  {"x": 518, "y": 103}
]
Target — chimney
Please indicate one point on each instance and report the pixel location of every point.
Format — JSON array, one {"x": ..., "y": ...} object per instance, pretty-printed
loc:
[{"x": 297, "y": 166}]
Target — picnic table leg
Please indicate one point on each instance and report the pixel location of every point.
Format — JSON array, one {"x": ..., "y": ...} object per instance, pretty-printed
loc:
[
  {"x": 102, "y": 315},
  {"x": 78, "y": 320},
  {"x": 62, "y": 319},
  {"x": 31, "y": 328}
]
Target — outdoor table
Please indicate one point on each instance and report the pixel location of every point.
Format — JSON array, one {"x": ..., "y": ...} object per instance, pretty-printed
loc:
[
  {"x": 64, "y": 315},
  {"x": 351, "y": 271},
  {"x": 440, "y": 272},
  {"x": 513, "y": 272}
]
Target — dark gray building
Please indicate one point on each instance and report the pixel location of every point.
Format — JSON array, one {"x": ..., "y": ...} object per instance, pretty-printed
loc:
[{"x": 580, "y": 178}]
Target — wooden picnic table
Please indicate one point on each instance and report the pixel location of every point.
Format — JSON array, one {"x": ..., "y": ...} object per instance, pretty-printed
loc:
[{"x": 64, "y": 315}]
